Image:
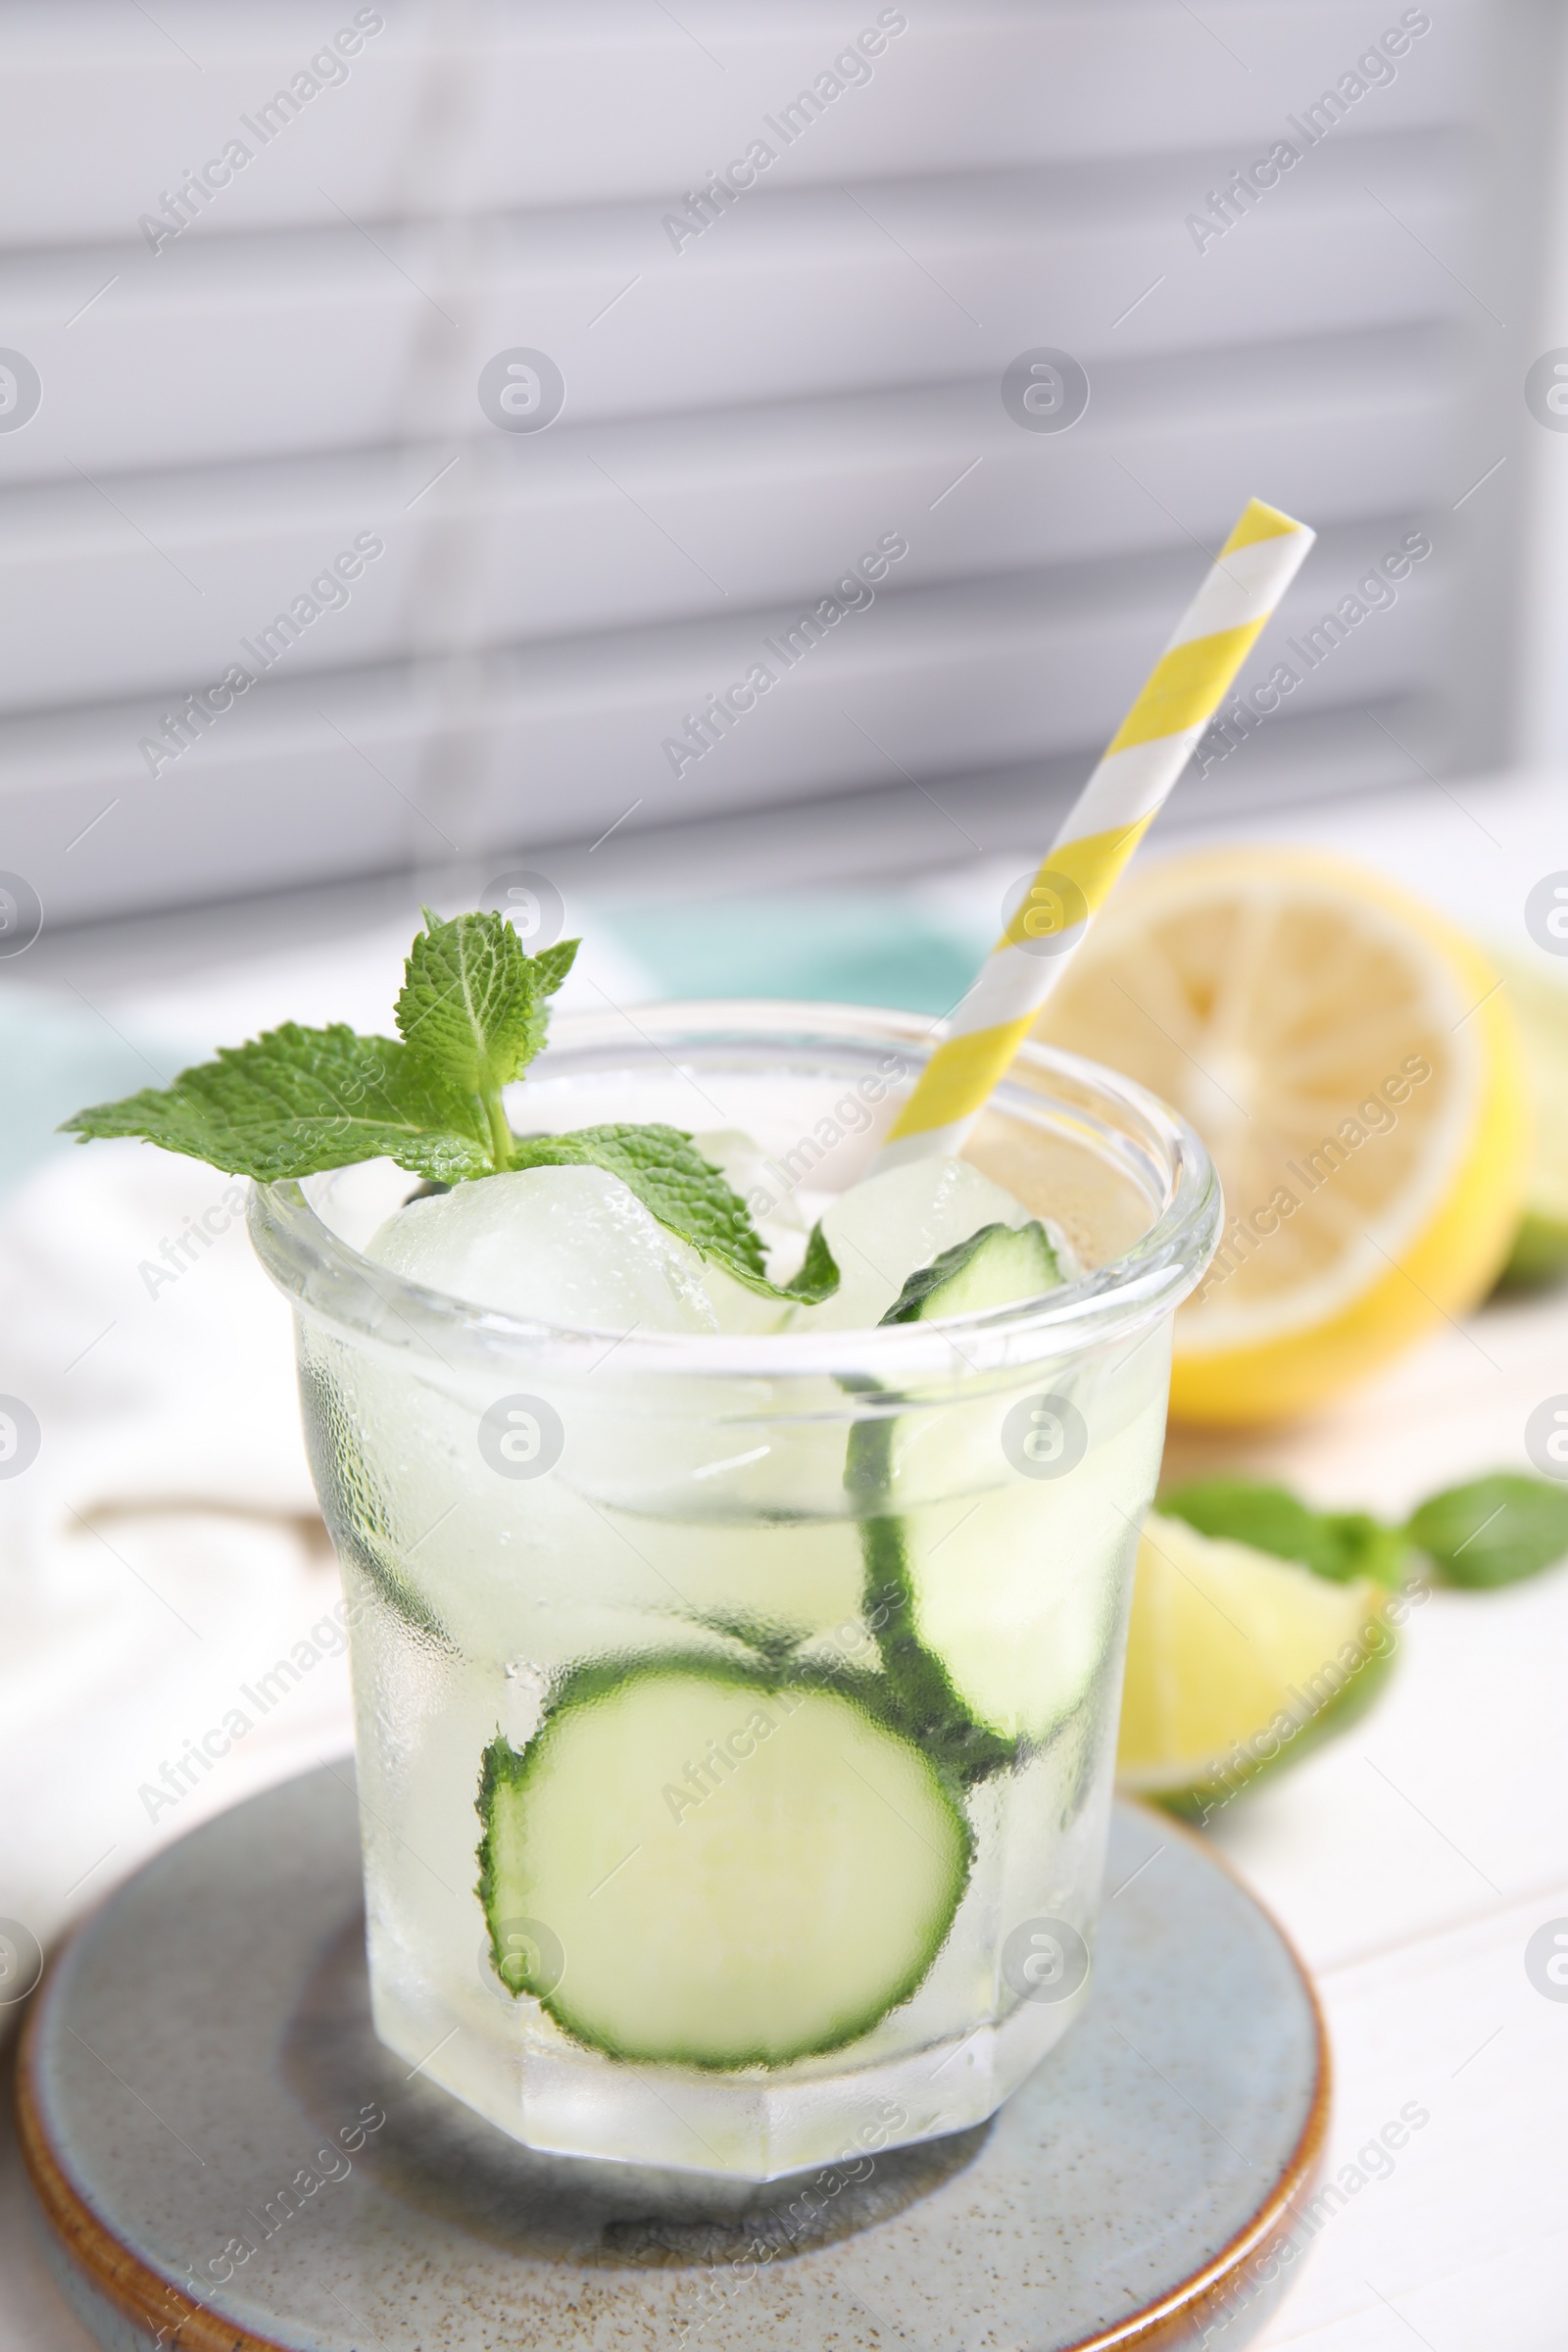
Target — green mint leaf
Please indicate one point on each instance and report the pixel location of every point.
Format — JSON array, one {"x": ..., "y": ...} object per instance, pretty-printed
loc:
[
  {"x": 1494, "y": 1530},
  {"x": 297, "y": 1101},
  {"x": 472, "y": 1001},
  {"x": 554, "y": 963},
  {"x": 1337, "y": 1545},
  {"x": 819, "y": 1277},
  {"x": 1366, "y": 1547},
  {"x": 669, "y": 1177},
  {"x": 686, "y": 1193}
]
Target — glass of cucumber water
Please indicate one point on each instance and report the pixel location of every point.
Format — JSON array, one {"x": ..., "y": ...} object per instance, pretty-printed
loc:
[{"x": 736, "y": 1678}]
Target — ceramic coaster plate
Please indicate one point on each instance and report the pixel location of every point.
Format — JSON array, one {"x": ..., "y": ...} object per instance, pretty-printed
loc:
[{"x": 226, "y": 2157}]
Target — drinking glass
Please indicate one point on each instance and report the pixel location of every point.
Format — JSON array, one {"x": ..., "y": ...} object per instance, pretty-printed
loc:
[{"x": 799, "y": 1653}]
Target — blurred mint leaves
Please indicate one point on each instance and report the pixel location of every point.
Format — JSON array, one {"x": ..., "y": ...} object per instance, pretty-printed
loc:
[
  {"x": 1494, "y": 1530},
  {"x": 1490, "y": 1532},
  {"x": 1337, "y": 1545},
  {"x": 472, "y": 1013}
]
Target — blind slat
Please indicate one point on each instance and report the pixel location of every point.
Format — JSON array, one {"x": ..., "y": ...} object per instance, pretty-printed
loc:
[{"x": 745, "y": 417}]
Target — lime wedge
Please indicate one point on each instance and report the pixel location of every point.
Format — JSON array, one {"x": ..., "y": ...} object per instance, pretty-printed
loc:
[
  {"x": 1541, "y": 1005},
  {"x": 1237, "y": 1662}
]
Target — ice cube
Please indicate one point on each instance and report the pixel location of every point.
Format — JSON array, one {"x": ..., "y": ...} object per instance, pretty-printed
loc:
[
  {"x": 746, "y": 1170},
  {"x": 740, "y": 1311},
  {"x": 565, "y": 1245},
  {"x": 741, "y": 1162},
  {"x": 882, "y": 1229},
  {"x": 780, "y": 1228}
]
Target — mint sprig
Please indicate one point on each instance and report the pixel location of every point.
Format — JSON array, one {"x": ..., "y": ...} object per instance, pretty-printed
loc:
[{"x": 472, "y": 1016}]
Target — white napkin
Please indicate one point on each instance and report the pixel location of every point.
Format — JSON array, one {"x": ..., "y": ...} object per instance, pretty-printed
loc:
[{"x": 163, "y": 1552}]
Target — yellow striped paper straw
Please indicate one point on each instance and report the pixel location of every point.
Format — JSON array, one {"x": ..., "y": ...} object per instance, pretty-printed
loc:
[{"x": 1112, "y": 813}]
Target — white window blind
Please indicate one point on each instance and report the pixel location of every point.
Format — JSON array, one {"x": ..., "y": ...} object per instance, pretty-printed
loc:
[{"x": 260, "y": 438}]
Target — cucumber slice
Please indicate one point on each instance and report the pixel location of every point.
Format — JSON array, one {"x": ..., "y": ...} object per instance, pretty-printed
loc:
[
  {"x": 994, "y": 1267},
  {"x": 741, "y": 1868},
  {"x": 995, "y": 1613},
  {"x": 935, "y": 1712},
  {"x": 1016, "y": 1597},
  {"x": 982, "y": 1656}
]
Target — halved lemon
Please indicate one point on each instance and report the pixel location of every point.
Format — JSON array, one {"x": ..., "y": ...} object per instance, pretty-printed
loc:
[
  {"x": 1351, "y": 1061},
  {"x": 1236, "y": 1663}
]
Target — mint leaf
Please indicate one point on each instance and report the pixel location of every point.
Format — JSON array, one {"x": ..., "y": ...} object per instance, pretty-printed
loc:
[
  {"x": 472, "y": 1016},
  {"x": 687, "y": 1194},
  {"x": 297, "y": 1101},
  {"x": 1337, "y": 1545},
  {"x": 473, "y": 1007},
  {"x": 472, "y": 1001},
  {"x": 669, "y": 1177},
  {"x": 1357, "y": 1544},
  {"x": 819, "y": 1277},
  {"x": 1494, "y": 1530},
  {"x": 554, "y": 963}
]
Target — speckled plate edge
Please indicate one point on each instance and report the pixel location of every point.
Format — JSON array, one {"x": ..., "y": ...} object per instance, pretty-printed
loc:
[
  {"x": 1185, "y": 2314},
  {"x": 1182, "y": 2317}
]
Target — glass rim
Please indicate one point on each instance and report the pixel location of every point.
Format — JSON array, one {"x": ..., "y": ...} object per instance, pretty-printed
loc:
[{"x": 328, "y": 1280}]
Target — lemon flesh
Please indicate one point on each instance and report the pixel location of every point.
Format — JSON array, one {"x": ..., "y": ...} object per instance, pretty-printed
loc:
[
  {"x": 1238, "y": 1662},
  {"x": 1354, "y": 1068}
]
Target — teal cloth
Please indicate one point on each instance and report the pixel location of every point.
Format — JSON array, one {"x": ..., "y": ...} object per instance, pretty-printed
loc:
[
  {"x": 851, "y": 947},
  {"x": 54, "y": 1059}
]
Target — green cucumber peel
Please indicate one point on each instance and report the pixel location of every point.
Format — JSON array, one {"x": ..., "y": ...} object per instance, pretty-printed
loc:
[
  {"x": 472, "y": 1014},
  {"x": 946, "y": 1272},
  {"x": 594, "y": 1679}
]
